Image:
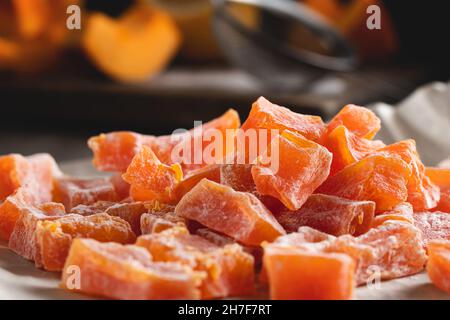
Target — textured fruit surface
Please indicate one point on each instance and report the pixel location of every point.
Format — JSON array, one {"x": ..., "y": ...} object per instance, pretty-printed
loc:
[
  {"x": 438, "y": 266},
  {"x": 150, "y": 179},
  {"x": 114, "y": 151},
  {"x": 434, "y": 225},
  {"x": 229, "y": 269},
  {"x": 237, "y": 214},
  {"x": 422, "y": 193},
  {"x": 127, "y": 272},
  {"x": 302, "y": 166},
  {"x": 296, "y": 274},
  {"x": 266, "y": 115},
  {"x": 392, "y": 250},
  {"x": 330, "y": 214},
  {"x": 375, "y": 178},
  {"x": 36, "y": 185},
  {"x": 47, "y": 240},
  {"x": 13, "y": 172},
  {"x": 130, "y": 212},
  {"x": 121, "y": 187},
  {"x": 359, "y": 120},
  {"x": 348, "y": 148},
  {"x": 72, "y": 192},
  {"x": 441, "y": 178},
  {"x": 211, "y": 172},
  {"x": 403, "y": 212},
  {"x": 98, "y": 207},
  {"x": 157, "y": 222}
]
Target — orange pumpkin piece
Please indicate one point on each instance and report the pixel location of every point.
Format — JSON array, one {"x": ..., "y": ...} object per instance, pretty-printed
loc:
[
  {"x": 296, "y": 274},
  {"x": 150, "y": 179},
  {"x": 348, "y": 148},
  {"x": 13, "y": 172},
  {"x": 47, "y": 240},
  {"x": 130, "y": 212},
  {"x": 303, "y": 165},
  {"x": 402, "y": 212},
  {"x": 438, "y": 266},
  {"x": 126, "y": 272},
  {"x": 393, "y": 249},
  {"x": 121, "y": 187},
  {"x": 360, "y": 121},
  {"x": 266, "y": 115},
  {"x": 237, "y": 214},
  {"x": 434, "y": 225},
  {"x": 87, "y": 210},
  {"x": 210, "y": 172},
  {"x": 330, "y": 214},
  {"x": 422, "y": 193},
  {"x": 114, "y": 151},
  {"x": 441, "y": 178},
  {"x": 229, "y": 269},
  {"x": 375, "y": 178},
  {"x": 158, "y": 222},
  {"x": 72, "y": 192},
  {"x": 31, "y": 182},
  {"x": 134, "y": 47}
]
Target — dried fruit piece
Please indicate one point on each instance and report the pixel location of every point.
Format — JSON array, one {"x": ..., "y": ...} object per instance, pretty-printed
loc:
[
  {"x": 302, "y": 166},
  {"x": 129, "y": 48},
  {"x": 36, "y": 184},
  {"x": 210, "y": 172},
  {"x": 114, "y": 151},
  {"x": 266, "y": 115},
  {"x": 360, "y": 121},
  {"x": 441, "y": 178},
  {"x": 87, "y": 210},
  {"x": 127, "y": 272},
  {"x": 150, "y": 179},
  {"x": 130, "y": 212},
  {"x": 422, "y": 193},
  {"x": 348, "y": 148},
  {"x": 403, "y": 212},
  {"x": 296, "y": 274},
  {"x": 121, "y": 187},
  {"x": 158, "y": 222},
  {"x": 330, "y": 214},
  {"x": 47, "y": 239},
  {"x": 375, "y": 178},
  {"x": 391, "y": 250},
  {"x": 229, "y": 269},
  {"x": 72, "y": 192},
  {"x": 13, "y": 172},
  {"x": 237, "y": 214},
  {"x": 438, "y": 266},
  {"x": 434, "y": 225}
]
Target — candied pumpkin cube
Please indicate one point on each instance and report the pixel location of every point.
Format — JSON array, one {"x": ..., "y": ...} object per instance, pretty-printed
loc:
[
  {"x": 36, "y": 184},
  {"x": 422, "y": 193},
  {"x": 296, "y": 274},
  {"x": 72, "y": 192},
  {"x": 330, "y": 214},
  {"x": 348, "y": 148},
  {"x": 47, "y": 239},
  {"x": 158, "y": 222},
  {"x": 237, "y": 214},
  {"x": 434, "y": 225},
  {"x": 402, "y": 212},
  {"x": 375, "y": 178},
  {"x": 303, "y": 165},
  {"x": 360, "y": 121},
  {"x": 441, "y": 178},
  {"x": 229, "y": 269},
  {"x": 266, "y": 115},
  {"x": 438, "y": 266},
  {"x": 126, "y": 272},
  {"x": 150, "y": 179}
]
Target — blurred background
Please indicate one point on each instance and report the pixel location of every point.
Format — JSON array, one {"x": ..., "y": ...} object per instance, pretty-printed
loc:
[{"x": 156, "y": 65}]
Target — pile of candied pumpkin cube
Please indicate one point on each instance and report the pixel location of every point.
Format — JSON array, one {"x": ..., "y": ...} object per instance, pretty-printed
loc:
[{"x": 340, "y": 210}]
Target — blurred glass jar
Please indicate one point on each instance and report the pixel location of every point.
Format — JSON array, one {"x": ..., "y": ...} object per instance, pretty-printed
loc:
[{"x": 193, "y": 17}]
